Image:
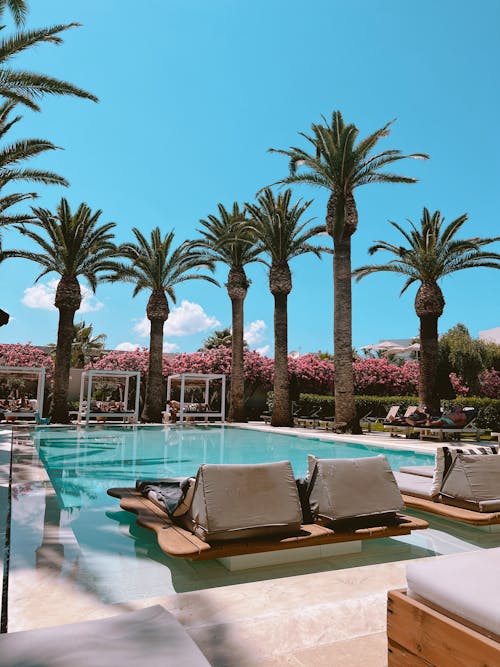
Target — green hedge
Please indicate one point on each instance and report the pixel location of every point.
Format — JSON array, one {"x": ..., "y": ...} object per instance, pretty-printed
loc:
[{"x": 487, "y": 409}]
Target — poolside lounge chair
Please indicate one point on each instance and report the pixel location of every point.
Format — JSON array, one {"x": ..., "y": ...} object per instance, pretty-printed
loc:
[
  {"x": 250, "y": 509},
  {"x": 150, "y": 636},
  {"x": 369, "y": 420},
  {"x": 310, "y": 420},
  {"x": 449, "y": 615},
  {"x": 400, "y": 426},
  {"x": 464, "y": 485},
  {"x": 441, "y": 433}
]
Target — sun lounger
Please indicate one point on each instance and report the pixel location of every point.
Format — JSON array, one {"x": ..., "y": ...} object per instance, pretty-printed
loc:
[
  {"x": 250, "y": 509},
  {"x": 465, "y": 485},
  {"x": 150, "y": 636},
  {"x": 441, "y": 433},
  {"x": 449, "y": 615}
]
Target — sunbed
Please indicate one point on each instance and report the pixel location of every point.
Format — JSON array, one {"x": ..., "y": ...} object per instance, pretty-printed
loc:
[
  {"x": 449, "y": 615},
  {"x": 150, "y": 636},
  {"x": 442, "y": 433},
  {"x": 463, "y": 485},
  {"x": 252, "y": 509}
]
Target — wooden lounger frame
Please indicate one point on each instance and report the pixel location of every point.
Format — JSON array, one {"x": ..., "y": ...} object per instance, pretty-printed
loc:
[
  {"x": 450, "y": 512},
  {"x": 180, "y": 543},
  {"x": 420, "y": 635}
]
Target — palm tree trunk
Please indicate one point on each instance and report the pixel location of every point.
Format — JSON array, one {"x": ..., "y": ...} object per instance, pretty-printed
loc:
[
  {"x": 282, "y": 412},
  {"x": 237, "y": 400},
  {"x": 155, "y": 388},
  {"x": 65, "y": 331},
  {"x": 429, "y": 358},
  {"x": 345, "y": 404}
]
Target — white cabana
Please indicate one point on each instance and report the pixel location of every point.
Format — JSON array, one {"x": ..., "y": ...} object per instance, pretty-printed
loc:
[
  {"x": 203, "y": 380},
  {"x": 30, "y": 372},
  {"x": 87, "y": 409}
]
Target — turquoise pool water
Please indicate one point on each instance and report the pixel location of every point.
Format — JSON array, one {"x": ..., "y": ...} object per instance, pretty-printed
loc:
[
  {"x": 83, "y": 463},
  {"x": 81, "y": 535}
]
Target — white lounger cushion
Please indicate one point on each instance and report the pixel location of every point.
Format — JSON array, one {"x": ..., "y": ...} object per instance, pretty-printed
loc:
[
  {"x": 467, "y": 585},
  {"x": 150, "y": 636},
  {"x": 445, "y": 457},
  {"x": 424, "y": 471},
  {"x": 352, "y": 488},
  {"x": 474, "y": 479},
  {"x": 239, "y": 501},
  {"x": 414, "y": 485}
]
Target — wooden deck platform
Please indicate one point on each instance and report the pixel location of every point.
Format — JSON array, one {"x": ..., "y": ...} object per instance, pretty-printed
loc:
[
  {"x": 450, "y": 512},
  {"x": 421, "y": 635},
  {"x": 180, "y": 543}
]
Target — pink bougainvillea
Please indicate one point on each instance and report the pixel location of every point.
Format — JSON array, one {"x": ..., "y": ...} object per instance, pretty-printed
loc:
[
  {"x": 380, "y": 377},
  {"x": 458, "y": 385},
  {"x": 376, "y": 377},
  {"x": 490, "y": 383},
  {"x": 19, "y": 354}
]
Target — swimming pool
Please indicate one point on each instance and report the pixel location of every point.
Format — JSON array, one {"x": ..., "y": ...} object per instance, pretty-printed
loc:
[
  {"x": 79, "y": 534},
  {"x": 81, "y": 463}
]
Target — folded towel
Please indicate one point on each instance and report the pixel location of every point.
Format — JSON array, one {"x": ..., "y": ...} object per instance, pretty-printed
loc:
[{"x": 169, "y": 493}]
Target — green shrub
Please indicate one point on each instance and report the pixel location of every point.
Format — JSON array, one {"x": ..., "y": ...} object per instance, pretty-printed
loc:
[{"x": 487, "y": 409}]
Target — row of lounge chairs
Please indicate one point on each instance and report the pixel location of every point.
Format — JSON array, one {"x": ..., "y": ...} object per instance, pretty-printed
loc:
[{"x": 342, "y": 500}]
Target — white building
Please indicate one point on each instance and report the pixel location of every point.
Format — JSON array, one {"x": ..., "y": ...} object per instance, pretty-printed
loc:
[{"x": 490, "y": 335}]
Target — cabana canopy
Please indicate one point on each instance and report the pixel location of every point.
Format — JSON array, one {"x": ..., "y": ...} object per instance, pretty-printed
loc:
[
  {"x": 38, "y": 373},
  {"x": 202, "y": 380},
  {"x": 85, "y": 412}
]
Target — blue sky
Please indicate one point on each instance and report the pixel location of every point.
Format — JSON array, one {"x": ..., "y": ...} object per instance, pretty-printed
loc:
[{"x": 193, "y": 93}]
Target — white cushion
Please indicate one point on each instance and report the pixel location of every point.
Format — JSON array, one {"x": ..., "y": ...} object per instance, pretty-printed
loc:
[
  {"x": 467, "y": 585},
  {"x": 150, "y": 636},
  {"x": 445, "y": 457}
]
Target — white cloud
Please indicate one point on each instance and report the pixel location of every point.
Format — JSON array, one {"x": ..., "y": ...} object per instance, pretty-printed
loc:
[
  {"x": 42, "y": 297},
  {"x": 127, "y": 347},
  {"x": 255, "y": 332},
  {"x": 264, "y": 351},
  {"x": 184, "y": 320},
  {"x": 170, "y": 347}
]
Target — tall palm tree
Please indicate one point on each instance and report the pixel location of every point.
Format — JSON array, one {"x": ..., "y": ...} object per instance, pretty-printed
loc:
[
  {"x": 158, "y": 267},
  {"x": 432, "y": 252},
  {"x": 282, "y": 236},
  {"x": 339, "y": 164},
  {"x": 28, "y": 87},
  {"x": 11, "y": 155},
  {"x": 74, "y": 245},
  {"x": 229, "y": 240}
]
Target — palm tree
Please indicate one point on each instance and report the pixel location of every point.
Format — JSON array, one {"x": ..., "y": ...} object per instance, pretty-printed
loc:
[
  {"x": 18, "y": 9},
  {"x": 10, "y": 172},
  {"x": 282, "y": 236},
  {"x": 85, "y": 344},
  {"x": 229, "y": 240},
  {"x": 156, "y": 266},
  {"x": 219, "y": 338},
  {"x": 432, "y": 253},
  {"x": 340, "y": 165},
  {"x": 74, "y": 245},
  {"x": 28, "y": 87}
]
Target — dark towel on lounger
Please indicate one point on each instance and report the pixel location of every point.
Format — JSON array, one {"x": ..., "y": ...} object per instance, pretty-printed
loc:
[{"x": 168, "y": 492}]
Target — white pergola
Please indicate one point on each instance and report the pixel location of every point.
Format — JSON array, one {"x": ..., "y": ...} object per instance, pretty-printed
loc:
[
  {"x": 85, "y": 412},
  {"x": 197, "y": 379},
  {"x": 38, "y": 373}
]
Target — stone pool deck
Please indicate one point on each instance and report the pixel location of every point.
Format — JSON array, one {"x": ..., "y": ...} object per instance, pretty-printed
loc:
[{"x": 335, "y": 616}]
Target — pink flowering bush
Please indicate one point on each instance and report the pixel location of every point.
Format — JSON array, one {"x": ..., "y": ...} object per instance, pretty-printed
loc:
[
  {"x": 490, "y": 383},
  {"x": 313, "y": 375},
  {"x": 26, "y": 355},
  {"x": 380, "y": 377},
  {"x": 458, "y": 385}
]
